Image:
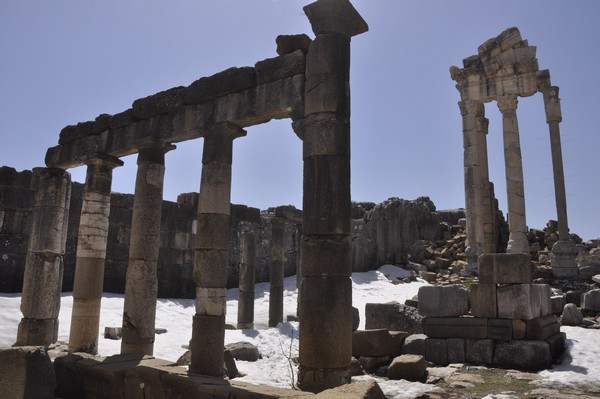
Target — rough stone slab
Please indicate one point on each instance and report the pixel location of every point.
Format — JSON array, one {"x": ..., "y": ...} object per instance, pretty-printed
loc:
[
  {"x": 289, "y": 43},
  {"x": 505, "y": 269},
  {"x": 523, "y": 355},
  {"x": 443, "y": 301},
  {"x": 159, "y": 103},
  {"x": 558, "y": 345},
  {"x": 393, "y": 316},
  {"x": 26, "y": 372},
  {"x": 482, "y": 298},
  {"x": 571, "y": 315},
  {"x": 479, "y": 351},
  {"x": 542, "y": 328},
  {"x": 519, "y": 328},
  {"x": 280, "y": 67},
  {"x": 414, "y": 345},
  {"x": 228, "y": 81},
  {"x": 357, "y": 390},
  {"x": 408, "y": 367},
  {"x": 436, "y": 351},
  {"x": 456, "y": 350},
  {"x": 557, "y": 302},
  {"x": 591, "y": 300},
  {"x": 455, "y": 327},
  {"x": 500, "y": 329},
  {"x": 523, "y": 301}
]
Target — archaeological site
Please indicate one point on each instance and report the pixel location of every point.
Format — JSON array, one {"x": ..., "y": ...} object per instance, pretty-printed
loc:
[{"x": 495, "y": 293}]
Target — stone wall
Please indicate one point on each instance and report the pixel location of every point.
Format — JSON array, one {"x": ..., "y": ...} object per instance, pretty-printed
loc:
[{"x": 393, "y": 232}]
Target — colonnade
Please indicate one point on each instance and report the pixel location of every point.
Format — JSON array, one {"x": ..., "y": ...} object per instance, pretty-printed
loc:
[{"x": 325, "y": 307}]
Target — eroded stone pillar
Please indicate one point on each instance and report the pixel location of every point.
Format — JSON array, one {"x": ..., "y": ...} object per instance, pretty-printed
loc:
[
  {"x": 276, "y": 272},
  {"x": 472, "y": 112},
  {"x": 141, "y": 285},
  {"x": 42, "y": 283},
  {"x": 247, "y": 281},
  {"x": 515, "y": 193},
  {"x": 564, "y": 251},
  {"x": 212, "y": 247},
  {"x": 325, "y": 308},
  {"x": 91, "y": 253}
]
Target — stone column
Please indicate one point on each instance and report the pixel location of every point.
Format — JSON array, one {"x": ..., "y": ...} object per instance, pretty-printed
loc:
[
  {"x": 326, "y": 289},
  {"x": 515, "y": 193},
  {"x": 42, "y": 283},
  {"x": 247, "y": 281},
  {"x": 276, "y": 272},
  {"x": 564, "y": 251},
  {"x": 141, "y": 286},
  {"x": 212, "y": 247},
  {"x": 91, "y": 253},
  {"x": 472, "y": 112},
  {"x": 487, "y": 212}
]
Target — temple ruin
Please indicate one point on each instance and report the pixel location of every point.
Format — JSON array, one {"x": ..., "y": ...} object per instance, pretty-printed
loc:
[{"x": 504, "y": 69}]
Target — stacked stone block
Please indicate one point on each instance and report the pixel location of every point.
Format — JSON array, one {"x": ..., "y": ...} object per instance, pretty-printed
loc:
[{"x": 503, "y": 315}]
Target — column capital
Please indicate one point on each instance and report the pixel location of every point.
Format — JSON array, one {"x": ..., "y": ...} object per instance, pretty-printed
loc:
[
  {"x": 552, "y": 104},
  {"x": 507, "y": 102},
  {"x": 101, "y": 159},
  {"x": 335, "y": 16},
  {"x": 153, "y": 151},
  {"x": 471, "y": 107}
]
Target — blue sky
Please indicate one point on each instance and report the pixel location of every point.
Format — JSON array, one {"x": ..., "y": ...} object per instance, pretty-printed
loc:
[{"x": 67, "y": 61}]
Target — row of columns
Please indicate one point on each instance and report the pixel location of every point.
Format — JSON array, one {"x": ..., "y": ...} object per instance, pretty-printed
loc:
[{"x": 478, "y": 189}]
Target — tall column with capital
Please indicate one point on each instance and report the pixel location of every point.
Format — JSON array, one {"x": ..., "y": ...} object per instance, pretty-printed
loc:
[
  {"x": 141, "y": 285},
  {"x": 212, "y": 249},
  {"x": 91, "y": 254},
  {"x": 325, "y": 308},
  {"x": 564, "y": 250},
  {"x": 472, "y": 112},
  {"x": 515, "y": 192},
  {"x": 42, "y": 282}
]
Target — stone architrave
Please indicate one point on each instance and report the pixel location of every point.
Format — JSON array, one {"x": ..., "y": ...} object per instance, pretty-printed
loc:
[
  {"x": 515, "y": 193},
  {"x": 276, "y": 272},
  {"x": 247, "y": 281},
  {"x": 212, "y": 250},
  {"x": 325, "y": 308},
  {"x": 564, "y": 251},
  {"x": 42, "y": 283},
  {"x": 91, "y": 253},
  {"x": 141, "y": 285}
]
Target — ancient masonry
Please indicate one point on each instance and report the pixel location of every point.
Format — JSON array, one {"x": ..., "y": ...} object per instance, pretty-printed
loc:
[
  {"x": 504, "y": 69},
  {"x": 308, "y": 83},
  {"x": 509, "y": 322}
]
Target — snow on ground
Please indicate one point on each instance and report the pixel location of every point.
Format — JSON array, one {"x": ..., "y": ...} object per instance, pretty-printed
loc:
[{"x": 277, "y": 345}]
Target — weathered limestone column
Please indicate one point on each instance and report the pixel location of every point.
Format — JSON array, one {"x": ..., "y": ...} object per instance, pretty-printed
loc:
[
  {"x": 487, "y": 210},
  {"x": 276, "y": 272},
  {"x": 247, "y": 281},
  {"x": 564, "y": 251},
  {"x": 326, "y": 289},
  {"x": 141, "y": 286},
  {"x": 515, "y": 193},
  {"x": 212, "y": 246},
  {"x": 42, "y": 283},
  {"x": 472, "y": 112},
  {"x": 91, "y": 253}
]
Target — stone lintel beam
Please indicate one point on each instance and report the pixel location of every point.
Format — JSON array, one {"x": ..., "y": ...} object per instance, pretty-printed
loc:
[
  {"x": 289, "y": 214},
  {"x": 279, "y": 99}
]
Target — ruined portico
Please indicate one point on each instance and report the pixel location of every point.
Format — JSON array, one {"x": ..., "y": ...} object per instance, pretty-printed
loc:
[
  {"x": 308, "y": 83},
  {"x": 505, "y": 69}
]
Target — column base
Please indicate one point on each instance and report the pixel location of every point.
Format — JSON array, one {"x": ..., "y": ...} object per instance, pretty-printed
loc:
[
  {"x": 245, "y": 326},
  {"x": 317, "y": 380},
  {"x": 517, "y": 244},
  {"x": 564, "y": 263},
  {"x": 37, "y": 332},
  {"x": 208, "y": 339},
  {"x": 472, "y": 252}
]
